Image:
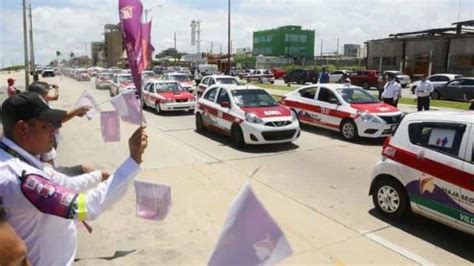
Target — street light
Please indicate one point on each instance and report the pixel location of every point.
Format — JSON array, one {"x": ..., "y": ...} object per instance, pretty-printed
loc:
[
  {"x": 148, "y": 10},
  {"x": 228, "y": 38}
]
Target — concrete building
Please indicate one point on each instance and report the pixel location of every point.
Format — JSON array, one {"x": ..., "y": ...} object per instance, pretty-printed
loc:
[
  {"x": 113, "y": 47},
  {"x": 351, "y": 50},
  {"x": 287, "y": 41},
  {"x": 445, "y": 50},
  {"x": 96, "y": 49}
]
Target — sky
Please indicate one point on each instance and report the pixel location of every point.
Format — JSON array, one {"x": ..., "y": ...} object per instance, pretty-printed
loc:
[{"x": 71, "y": 25}]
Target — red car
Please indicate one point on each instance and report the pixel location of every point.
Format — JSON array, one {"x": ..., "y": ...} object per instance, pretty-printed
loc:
[
  {"x": 365, "y": 78},
  {"x": 167, "y": 96},
  {"x": 278, "y": 73}
]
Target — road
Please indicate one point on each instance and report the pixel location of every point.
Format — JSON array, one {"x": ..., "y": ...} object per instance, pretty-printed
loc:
[{"x": 316, "y": 189}]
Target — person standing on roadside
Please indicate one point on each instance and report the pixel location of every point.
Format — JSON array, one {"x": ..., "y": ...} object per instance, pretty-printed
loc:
[
  {"x": 344, "y": 79},
  {"x": 392, "y": 90},
  {"x": 423, "y": 92},
  {"x": 324, "y": 76},
  {"x": 11, "y": 89}
]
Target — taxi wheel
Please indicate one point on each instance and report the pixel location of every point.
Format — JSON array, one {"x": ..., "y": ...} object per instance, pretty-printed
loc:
[
  {"x": 390, "y": 198},
  {"x": 200, "y": 128},
  {"x": 237, "y": 136},
  {"x": 157, "y": 109},
  {"x": 349, "y": 130}
]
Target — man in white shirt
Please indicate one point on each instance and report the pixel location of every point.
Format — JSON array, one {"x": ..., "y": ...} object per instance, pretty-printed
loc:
[
  {"x": 40, "y": 203},
  {"x": 423, "y": 92},
  {"x": 392, "y": 90}
]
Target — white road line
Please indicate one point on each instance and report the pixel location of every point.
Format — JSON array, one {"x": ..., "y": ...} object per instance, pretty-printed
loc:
[{"x": 408, "y": 254}]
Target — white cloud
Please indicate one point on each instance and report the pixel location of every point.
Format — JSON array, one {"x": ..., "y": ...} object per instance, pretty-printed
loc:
[{"x": 73, "y": 27}]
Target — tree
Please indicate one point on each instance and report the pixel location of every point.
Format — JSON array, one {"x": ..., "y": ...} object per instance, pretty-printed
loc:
[
  {"x": 58, "y": 53},
  {"x": 71, "y": 54}
]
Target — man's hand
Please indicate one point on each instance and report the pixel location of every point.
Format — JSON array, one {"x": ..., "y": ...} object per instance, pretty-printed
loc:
[
  {"x": 86, "y": 168},
  {"x": 81, "y": 111},
  {"x": 105, "y": 175},
  {"x": 137, "y": 144}
]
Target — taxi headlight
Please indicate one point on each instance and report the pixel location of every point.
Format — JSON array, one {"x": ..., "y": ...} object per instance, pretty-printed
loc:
[
  {"x": 253, "y": 118},
  {"x": 367, "y": 117},
  {"x": 294, "y": 117}
]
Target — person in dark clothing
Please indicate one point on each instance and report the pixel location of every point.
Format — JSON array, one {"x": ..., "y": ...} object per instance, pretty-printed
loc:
[{"x": 324, "y": 76}]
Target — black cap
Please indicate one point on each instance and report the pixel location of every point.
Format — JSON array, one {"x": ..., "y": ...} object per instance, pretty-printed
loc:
[
  {"x": 28, "y": 105},
  {"x": 39, "y": 88}
]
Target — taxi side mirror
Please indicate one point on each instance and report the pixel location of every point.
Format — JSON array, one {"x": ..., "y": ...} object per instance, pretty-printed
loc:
[{"x": 225, "y": 104}]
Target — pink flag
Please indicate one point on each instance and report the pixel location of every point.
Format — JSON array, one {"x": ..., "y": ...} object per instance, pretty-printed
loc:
[
  {"x": 147, "y": 49},
  {"x": 128, "y": 107},
  {"x": 110, "y": 126},
  {"x": 153, "y": 200},
  {"x": 250, "y": 236},
  {"x": 88, "y": 100}
]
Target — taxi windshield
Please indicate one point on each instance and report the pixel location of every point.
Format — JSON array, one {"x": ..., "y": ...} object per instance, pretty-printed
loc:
[
  {"x": 180, "y": 78},
  {"x": 227, "y": 81},
  {"x": 253, "y": 98},
  {"x": 168, "y": 86},
  {"x": 125, "y": 78},
  {"x": 356, "y": 95}
]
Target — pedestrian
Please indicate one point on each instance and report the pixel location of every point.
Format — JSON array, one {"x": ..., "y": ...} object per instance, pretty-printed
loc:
[
  {"x": 423, "y": 92},
  {"x": 40, "y": 203},
  {"x": 381, "y": 85},
  {"x": 344, "y": 79},
  {"x": 392, "y": 90},
  {"x": 11, "y": 89},
  {"x": 324, "y": 76}
]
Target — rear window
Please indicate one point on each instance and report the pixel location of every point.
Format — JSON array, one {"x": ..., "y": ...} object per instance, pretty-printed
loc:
[{"x": 227, "y": 81}]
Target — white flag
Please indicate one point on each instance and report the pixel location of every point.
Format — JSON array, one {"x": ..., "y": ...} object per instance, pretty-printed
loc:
[{"x": 86, "y": 99}]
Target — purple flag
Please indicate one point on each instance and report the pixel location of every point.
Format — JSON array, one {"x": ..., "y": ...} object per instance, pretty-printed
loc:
[
  {"x": 128, "y": 107},
  {"x": 250, "y": 236},
  {"x": 153, "y": 200},
  {"x": 110, "y": 126},
  {"x": 88, "y": 100},
  {"x": 130, "y": 12},
  {"x": 147, "y": 49}
]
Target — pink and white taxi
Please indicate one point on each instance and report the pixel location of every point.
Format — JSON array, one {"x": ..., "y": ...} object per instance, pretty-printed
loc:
[
  {"x": 344, "y": 108},
  {"x": 183, "y": 80},
  {"x": 248, "y": 114},
  {"x": 167, "y": 96}
]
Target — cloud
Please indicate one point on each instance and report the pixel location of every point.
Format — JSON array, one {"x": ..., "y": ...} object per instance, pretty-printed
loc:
[{"x": 71, "y": 26}]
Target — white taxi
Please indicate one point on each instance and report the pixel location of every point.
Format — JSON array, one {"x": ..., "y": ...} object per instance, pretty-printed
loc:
[
  {"x": 183, "y": 80},
  {"x": 248, "y": 114},
  {"x": 167, "y": 96},
  {"x": 345, "y": 108},
  {"x": 427, "y": 167}
]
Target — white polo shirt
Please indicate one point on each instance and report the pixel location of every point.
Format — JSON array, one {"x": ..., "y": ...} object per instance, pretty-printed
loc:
[
  {"x": 51, "y": 240},
  {"x": 424, "y": 89}
]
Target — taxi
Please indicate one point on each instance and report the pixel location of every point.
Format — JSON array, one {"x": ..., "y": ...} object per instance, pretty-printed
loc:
[
  {"x": 183, "y": 80},
  {"x": 427, "y": 167},
  {"x": 167, "y": 96},
  {"x": 345, "y": 108},
  {"x": 248, "y": 114}
]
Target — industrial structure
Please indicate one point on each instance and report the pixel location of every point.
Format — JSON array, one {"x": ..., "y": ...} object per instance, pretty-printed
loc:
[
  {"x": 113, "y": 47},
  {"x": 449, "y": 50},
  {"x": 97, "y": 51}
]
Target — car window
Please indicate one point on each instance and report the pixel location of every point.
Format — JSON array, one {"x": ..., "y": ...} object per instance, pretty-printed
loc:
[
  {"x": 325, "y": 95},
  {"x": 227, "y": 81},
  {"x": 223, "y": 97},
  {"x": 308, "y": 93},
  {"x": 356, "y": 95},
  {"x": 147, "y": 87},
  {"x": 468, "y": 82},
  {"x": 204, "y": 80},
  {"x": 211, "y": 81},
  {"x": 211, "y": 95},
  {"x": 456, "y": 82},
  {"x": 167, "y": 86},
  {"x": 253, "y": 98},
  {"x": 443, "y": 137},
  {"x": 443, "y": 78}
]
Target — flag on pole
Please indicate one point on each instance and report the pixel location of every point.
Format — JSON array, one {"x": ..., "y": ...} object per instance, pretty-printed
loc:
[
  {"x": 128, "y": 107},
  {"x": 110, "y": 126},
  {"x": 130, "y": 12},
  {"x": 153, "y": 200},
  {"x": 88, "y": 100},
  {"x": 250, "y": 236},
  {"x": 147, "y": 49}
]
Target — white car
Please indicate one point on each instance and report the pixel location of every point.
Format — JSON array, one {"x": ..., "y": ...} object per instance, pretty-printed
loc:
[
  {"x": 261, "y": 75},
  {"x": 438, "y": 80},
  {"x": 167, "y": 96},
  {"x": 248, "y": 114},
  {"x": 183, "y": 80},
  {"x": 345, "y": 108},
  {"x": 335, "y": 76},
  {"x": 402, "y": 78},
  {"x": 120, "y": 82},
  {"x": 208, "y": 81},
  {"x": 427, "y": 167}
]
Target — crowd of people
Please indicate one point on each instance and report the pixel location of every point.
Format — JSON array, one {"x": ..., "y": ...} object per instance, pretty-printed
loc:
[{"x": 40, "y": 203}]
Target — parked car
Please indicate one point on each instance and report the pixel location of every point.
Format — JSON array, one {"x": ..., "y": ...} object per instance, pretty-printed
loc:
[
  {"x": 158, "y": 70},
  {"x": 427, "y": 168},
  {"x": 208, "y": 69},
  {"x": 248, "y": 114},
  {"x": 82, "y": 74},
  {"x": 120, "y": 82},
  {"x": 335, "y": 76},
  {"x": 261, "y": 75},
  {"x": 461, "y": 89},
  {"x": 48, "y": 72},
  {"x": 278, "y": 73},
  {"x": 183, "y": 80},
  {"x": 348, "y": 109},
  {"x": 301, "y": 76},
  {"x": 402, "y": 78},
  {"x": 438, "y": 80},
  {"x": 214, "y": 79},
  {"x": 243, "y": 74},
  {"x": 164, "y": 95},
  {"x": 103, "y": 80},
  {"x": 234, "y": 71},
  {"x": 365, "y": 78}
]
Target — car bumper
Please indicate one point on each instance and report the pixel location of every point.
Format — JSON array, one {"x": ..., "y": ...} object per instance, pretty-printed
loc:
[
  {"x": 375, "y": 130},
  {"x": 257, "y": 134},
  {"x": 177, "y": 106}
]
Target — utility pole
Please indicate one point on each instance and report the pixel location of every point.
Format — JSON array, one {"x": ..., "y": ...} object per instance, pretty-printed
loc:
[
  {"x": 221, "y": 48},
  {"x": 228, "y": 37},
  {"x": 322, "y": 42},
  {"x": 198, "y": 31},
  {"x": 175, "y": 41},
  {"x": 32, "y": 49},
  {"x": 25, "y": 42}
]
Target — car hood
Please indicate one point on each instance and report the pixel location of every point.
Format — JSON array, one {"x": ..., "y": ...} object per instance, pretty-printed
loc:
[
  {"x": 375, "y": 107},
  {"x": 188, "y": 83},
  {"x": 267, "y": 112},
  {"x": 179, "y": 95}
]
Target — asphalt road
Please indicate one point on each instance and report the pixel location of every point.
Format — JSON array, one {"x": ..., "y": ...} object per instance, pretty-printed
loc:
[{"x": 316, "y": 189}]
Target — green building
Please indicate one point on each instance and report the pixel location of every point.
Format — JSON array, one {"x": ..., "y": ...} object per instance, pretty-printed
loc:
[{"x": 286, "y": 41}]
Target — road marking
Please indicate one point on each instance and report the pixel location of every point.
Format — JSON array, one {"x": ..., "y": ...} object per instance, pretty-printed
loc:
[{"x": 408, "y": 254}]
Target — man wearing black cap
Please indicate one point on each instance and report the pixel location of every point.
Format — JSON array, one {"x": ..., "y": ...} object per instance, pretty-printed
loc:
[{"x": 40, "y": 203}]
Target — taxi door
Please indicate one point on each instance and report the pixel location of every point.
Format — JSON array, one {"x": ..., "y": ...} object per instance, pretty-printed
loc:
[
  {"x": 305, "y": 105},
  {"x": 209, "y": 108},
  {"x": 467, "y": 192},
  {"x": 223, "y": 105},
  {"x": 146, "y": 94},
  {"x": 328, "y": 103}
]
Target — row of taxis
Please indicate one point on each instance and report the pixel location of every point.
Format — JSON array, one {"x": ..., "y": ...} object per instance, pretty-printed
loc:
[{"x": 426, "y": 165}]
